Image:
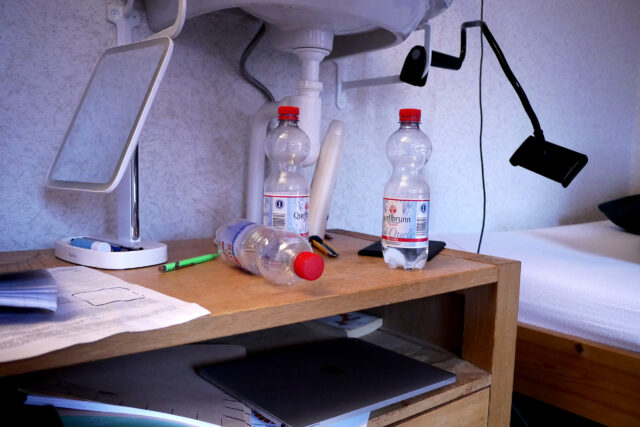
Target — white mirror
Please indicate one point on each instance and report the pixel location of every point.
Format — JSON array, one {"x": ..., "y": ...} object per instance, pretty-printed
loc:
[{"x": 104, "y": 131}]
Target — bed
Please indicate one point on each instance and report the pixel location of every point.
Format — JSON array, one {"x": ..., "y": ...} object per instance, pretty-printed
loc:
[{"x": 578, "y": 345}]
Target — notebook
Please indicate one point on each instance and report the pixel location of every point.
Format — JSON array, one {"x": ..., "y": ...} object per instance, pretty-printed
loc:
[{"x": 324, "y": 382}]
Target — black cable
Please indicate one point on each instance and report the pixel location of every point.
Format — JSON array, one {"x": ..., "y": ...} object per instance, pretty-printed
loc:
[
  {"x": 516, "y": 85},
  {"x": 519, "y": 415},
  {"x": 243, "y": 62},
  {"x": 484, "y": 189}
]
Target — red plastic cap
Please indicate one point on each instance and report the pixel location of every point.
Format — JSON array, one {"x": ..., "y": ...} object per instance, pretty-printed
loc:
[
  {"x": 410, "y": 115},
  {"x": 286, "y": 112},
  {"x": 308, "y": 265}
]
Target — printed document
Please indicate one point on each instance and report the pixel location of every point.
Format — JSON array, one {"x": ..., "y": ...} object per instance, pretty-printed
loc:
[
  {"x": 29, "y": 289},
  {"x": 91, "y": 305}
]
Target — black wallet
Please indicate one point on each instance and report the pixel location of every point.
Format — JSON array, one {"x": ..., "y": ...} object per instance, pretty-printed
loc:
[{"x": 375, "y": 249}]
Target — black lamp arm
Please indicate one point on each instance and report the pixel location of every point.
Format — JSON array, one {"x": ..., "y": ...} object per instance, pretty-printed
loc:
[{"x": 442, "y": 60}]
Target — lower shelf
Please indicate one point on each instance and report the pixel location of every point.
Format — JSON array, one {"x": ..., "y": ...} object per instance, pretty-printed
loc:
[{"x": 470, "y": 379}]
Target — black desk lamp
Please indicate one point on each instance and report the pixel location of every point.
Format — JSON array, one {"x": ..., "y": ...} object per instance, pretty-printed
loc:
[{"x": 536, "y": 154}]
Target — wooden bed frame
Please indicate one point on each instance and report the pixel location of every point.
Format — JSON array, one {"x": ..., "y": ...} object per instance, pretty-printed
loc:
[{"x": 593, "y": 380}]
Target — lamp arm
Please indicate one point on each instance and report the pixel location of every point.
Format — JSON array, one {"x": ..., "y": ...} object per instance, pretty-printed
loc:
[{"x": 442, "y": 60}]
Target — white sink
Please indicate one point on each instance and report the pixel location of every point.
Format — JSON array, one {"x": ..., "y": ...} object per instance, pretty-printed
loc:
[{"x": 356, "y": 25}]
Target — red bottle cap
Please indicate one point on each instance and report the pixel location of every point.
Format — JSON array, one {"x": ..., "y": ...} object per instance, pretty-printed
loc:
[
  {"x": 286, "y": 112},
  {"x": 308, "y": 265},
  {"x": 410, "y": 115}
]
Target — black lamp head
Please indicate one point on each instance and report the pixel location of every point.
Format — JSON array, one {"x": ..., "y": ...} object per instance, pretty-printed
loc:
[
  {"x": 549, "y": 160},
  {"x": 415, "y": 66}
]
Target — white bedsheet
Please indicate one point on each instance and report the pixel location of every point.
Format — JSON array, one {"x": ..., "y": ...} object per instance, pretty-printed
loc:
[{"x": 582, "y": 279}]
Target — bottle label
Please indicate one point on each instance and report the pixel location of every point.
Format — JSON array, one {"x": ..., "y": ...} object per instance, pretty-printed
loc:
[
  {"x": 285, "y": 212},
  {"x": 405, "y": 223},
  {"x": 228, "y": 241}
]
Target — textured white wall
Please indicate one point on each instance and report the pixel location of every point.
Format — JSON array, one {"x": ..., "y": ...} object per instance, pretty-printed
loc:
[
  {"x": 635, "y": 165},
  {"x": 579, "y": 65},
  {"x": 577, "y": 61}
]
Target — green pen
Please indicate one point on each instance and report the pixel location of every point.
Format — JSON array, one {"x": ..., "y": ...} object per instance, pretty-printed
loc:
[{"x": 187, "y": 262}]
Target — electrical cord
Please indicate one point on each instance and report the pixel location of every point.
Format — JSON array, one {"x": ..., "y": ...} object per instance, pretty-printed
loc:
[
  {"x": 484, "y": 188},
  {"x": 519, "y": 415},
  {"x": 243, "y": 65}
]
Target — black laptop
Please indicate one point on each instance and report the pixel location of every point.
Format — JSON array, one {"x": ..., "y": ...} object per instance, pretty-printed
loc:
[{"x": 324, "y": 382}]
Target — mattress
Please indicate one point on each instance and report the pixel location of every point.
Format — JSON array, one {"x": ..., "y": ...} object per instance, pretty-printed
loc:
[{"x": 582, "y": 279}]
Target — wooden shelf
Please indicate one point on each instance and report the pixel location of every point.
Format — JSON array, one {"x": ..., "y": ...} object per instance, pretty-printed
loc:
[{"x": 240, "y": 302}]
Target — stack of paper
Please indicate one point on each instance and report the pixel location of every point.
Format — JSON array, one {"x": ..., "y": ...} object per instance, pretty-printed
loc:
[
  {"x": 92, "y": 306},
  {"x": 161, "y": 384},
  {"x": 29, "y": 289}
]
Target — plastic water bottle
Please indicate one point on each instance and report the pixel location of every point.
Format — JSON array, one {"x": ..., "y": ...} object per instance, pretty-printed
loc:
[
  {"x": 280, "y": 256},
  {"x": 405, "y": 225},
  {"x": 286, "y": 191}
]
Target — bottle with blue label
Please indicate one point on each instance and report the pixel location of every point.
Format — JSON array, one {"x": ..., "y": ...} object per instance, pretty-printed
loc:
[
  {"x": 405, "y": 217},
  {"x": 280, "y": 256},
  {"x": 286, "y": 191}
]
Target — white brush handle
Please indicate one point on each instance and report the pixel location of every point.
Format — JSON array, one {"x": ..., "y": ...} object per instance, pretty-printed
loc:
[{"x": 324, "y": 179}]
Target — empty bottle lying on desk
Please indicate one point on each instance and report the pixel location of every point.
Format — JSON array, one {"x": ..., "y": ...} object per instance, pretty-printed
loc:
[
  {"x": 405, "y": 217},
  {"x": 280, "y": 256}
]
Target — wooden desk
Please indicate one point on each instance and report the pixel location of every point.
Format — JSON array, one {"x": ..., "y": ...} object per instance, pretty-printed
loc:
[{"x": 419, "y": 304}]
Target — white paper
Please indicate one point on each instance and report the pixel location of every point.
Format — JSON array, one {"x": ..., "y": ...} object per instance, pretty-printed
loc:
[
  {"x": 68, "y": 403},
  {"x": 91, "y": 306},
  {"x": 359, "y": 420},
  {"x": 163, "y": 381}
]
